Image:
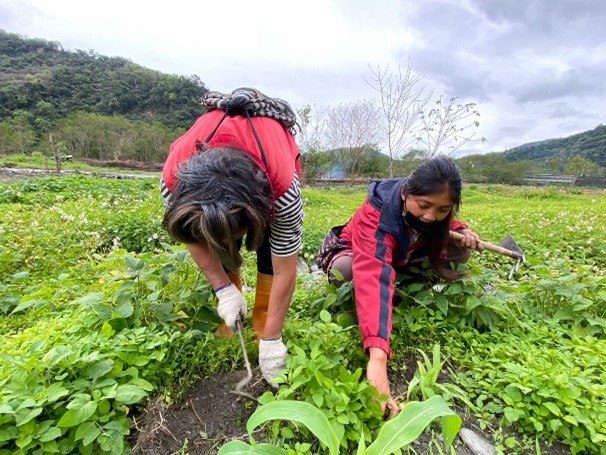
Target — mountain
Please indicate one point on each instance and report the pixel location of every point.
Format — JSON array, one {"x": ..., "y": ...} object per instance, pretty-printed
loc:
[
  {"x": 46, "y": 81},
  {"x": 591, "y": 145}
]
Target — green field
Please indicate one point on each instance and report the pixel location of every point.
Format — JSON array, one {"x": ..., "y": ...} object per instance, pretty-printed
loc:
[{"x": 99, "y": 312}]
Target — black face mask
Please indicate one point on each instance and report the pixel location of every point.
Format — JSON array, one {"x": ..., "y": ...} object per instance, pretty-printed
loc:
[
  {"x": 415, "y": 223},
  {"x": 420, "y": 226}
]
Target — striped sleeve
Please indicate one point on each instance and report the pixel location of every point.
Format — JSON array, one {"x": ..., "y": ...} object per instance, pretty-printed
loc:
[
  {"x": 286, "y": 231},
  {"x": 164, "y": 191}
]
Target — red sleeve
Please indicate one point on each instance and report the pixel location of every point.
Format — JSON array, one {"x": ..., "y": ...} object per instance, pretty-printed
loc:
[
  {"x": 456, "y": 225},
  {"x": 374, "y": 278}
]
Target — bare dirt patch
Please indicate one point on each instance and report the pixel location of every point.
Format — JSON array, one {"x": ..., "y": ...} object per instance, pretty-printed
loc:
[{"x": 208, "y": 417}]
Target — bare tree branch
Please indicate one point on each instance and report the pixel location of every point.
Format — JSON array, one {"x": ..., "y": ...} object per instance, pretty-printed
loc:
[
  {"x": 402, "y": 100},
  {"x": 448, "y": 125},
  {"x": 352, "y": 128}
]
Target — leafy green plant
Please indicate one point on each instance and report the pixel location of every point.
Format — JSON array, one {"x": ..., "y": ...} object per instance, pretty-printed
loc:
[
  {"x": 425, "y": 381},
  {"x": 475, "y": 300},
  {"x": 318, "y": 374},
  {"x": 545, "y": 382},
  {"x": 394, "y": 435}
]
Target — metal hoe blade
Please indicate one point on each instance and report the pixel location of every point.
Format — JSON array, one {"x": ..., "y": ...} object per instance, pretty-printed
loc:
[
  {"x": 510, "y": 244},
  {"x": 246, "y": 380}
]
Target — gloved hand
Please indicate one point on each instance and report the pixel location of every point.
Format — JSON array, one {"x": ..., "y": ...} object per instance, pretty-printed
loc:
[
  {"x": 232, "y": 306},
  {"x": 272, "y": 358}
]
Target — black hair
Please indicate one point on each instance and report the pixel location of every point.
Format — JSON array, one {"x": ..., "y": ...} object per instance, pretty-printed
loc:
[
  {"x": 435, "y": 176},
  {"x": 220, "y": 193}
]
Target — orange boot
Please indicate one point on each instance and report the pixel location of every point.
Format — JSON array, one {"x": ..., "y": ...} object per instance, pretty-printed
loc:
[
  {"x": 236, "y": 278},
  {"x": 259, "y": 315}
]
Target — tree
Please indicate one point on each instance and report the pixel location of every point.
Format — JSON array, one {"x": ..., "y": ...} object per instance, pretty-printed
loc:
[
  {"x": 402, "y": 101},
  {"x": 312, "y": 123},
  {"x": 352, "y": 129},
  {"x": 316, "y": 164},
  {"x": 23, "y": 133},
  {"x": 8, "y": 143},
  {"x": 581, "y": 167},
  {"x": 448, "y": 125}
]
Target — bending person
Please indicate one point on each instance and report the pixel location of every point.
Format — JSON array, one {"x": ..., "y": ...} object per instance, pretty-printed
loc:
[
  {"x": 402, "y": 222},
  {"x": 233, "y": 178}
]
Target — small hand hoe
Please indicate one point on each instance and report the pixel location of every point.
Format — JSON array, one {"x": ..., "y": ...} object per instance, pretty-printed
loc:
[
  {"x": 246, "y": 380},
  {"x": 508, "y": 247}
]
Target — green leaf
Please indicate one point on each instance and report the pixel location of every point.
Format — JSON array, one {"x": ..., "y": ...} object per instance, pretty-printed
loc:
[
  {"x": 75, "y": 417},
  {"x": 56, "y": 355},
  {"x": 318, "y": 399},
  {"x": 300, "y": 412},
  {"x": 239, "y": 447},
  {"x": 571, "y": 419},
  {"x": 361, "y": 445},
  {"x": 7, "y": 434},
  {"x": 6, "y": 409},
  {"x": 20, "y": 275},
  {"x": 91, "y": 299},
  {"x": 24, "y": 415},
  {"x": 511, "y": 414},
  {"x": 511, "y": 442},
  {"x": 133, "y": 263},
  {"x": 442, "y": 304},
  {"x": 27, "y": 403},
  {"x": 325, "y": 316},
  {"x": 99, "y": 369},
  {"x": 28, "y": 304},
  {"x": 553, "y": 408},
  {"x": 406, "y": 427},
  {"x": 554, "y": 424},
  {"x": 50, "y": 434},
  {"x": 55, "y": 392},
  {"x": 125, "y": 310},
  {"x": 129, "y": 394},
  {"x": 88, "y": 432}
]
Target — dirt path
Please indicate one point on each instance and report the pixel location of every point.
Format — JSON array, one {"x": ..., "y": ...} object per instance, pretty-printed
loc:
[{"x": 8, "y": 173}]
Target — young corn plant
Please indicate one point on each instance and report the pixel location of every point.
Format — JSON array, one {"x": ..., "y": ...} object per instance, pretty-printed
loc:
[
  {"x": 425, "y": 381},
  {"x": 394, "y": 435}
]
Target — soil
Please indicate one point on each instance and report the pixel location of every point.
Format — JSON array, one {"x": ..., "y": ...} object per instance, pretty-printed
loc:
[
  {"x": 208, "y": 417},
  {"x": 124, "y": 164}
]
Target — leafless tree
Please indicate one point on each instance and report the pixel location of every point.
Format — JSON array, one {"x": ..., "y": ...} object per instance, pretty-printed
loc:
[
  {"x": 448, "y": 125},
  {"x": 312, "y": 123},
  {"x": 402, "y": 100},
  {"x": 352, "y": 128}
]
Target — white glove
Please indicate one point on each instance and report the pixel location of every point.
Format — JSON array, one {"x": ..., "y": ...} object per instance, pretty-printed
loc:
[
  {"x": 272, "y": 358},
  {"x": 232, "y": 306}
]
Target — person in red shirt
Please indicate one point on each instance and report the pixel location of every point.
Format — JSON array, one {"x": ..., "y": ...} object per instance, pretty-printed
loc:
[
  {"x": 235, "y": 174},
  {"x": 402, "y": 222}
]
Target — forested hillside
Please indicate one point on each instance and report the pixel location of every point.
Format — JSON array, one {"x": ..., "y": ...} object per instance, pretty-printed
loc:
[
  {"x": 591, "y": 145},
  {"x": 89, "y": 105},
  {"x": 40, "y": 77}
]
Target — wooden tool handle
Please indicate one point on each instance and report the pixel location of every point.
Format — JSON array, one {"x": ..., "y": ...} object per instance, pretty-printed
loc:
[{"x": 489, "y": 246}]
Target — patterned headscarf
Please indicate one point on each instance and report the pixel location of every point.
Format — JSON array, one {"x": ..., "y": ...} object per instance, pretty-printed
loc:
[{"x": 257, "y": 104}]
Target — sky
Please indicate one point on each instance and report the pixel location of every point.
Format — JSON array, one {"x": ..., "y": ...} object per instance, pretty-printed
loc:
[{"x": 536, "y": 69}]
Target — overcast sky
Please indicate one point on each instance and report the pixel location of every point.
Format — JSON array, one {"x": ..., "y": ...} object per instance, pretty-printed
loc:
[{"x": 535, "y": 68}]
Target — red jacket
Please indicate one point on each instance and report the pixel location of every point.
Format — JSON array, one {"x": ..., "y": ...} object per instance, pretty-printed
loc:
[
  {"x": 379, "y": 240},
  {"x": 281, "y": 152}
]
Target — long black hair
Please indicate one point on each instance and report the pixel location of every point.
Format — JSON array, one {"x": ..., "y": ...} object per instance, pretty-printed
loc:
[
  {"x": 435, "y": 176},
  {"x": 220, "y": 193}
]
